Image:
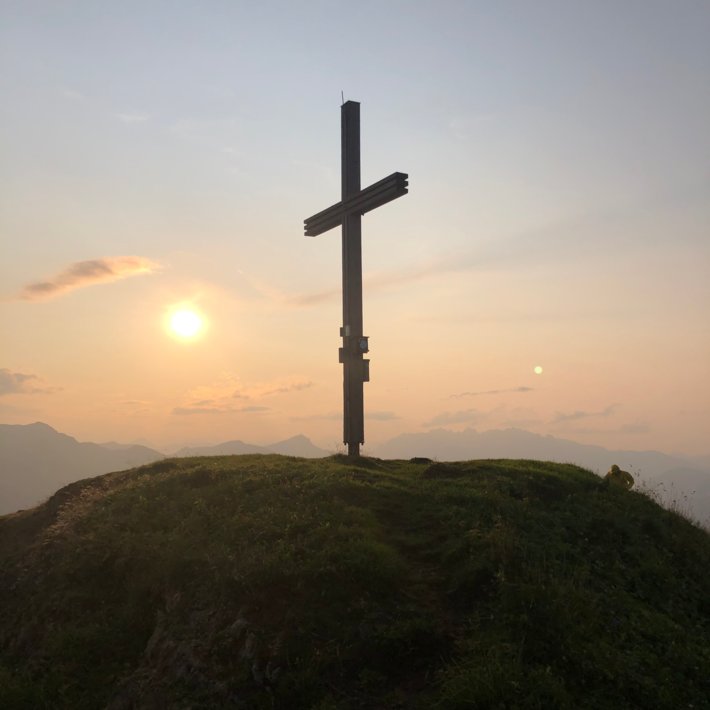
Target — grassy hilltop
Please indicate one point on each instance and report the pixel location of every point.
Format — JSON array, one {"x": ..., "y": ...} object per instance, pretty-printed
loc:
[{"x": 276, "y": 582}]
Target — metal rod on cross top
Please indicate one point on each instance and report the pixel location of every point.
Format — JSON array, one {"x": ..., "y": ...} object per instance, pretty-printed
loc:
[{"x": 347, "y": 213}]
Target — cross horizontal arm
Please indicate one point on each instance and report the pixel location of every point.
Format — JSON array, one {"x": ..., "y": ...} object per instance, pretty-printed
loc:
[{"x": 379, "y": 193}]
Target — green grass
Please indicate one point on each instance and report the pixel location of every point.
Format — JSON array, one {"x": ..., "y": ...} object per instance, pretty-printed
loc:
[{"x": 275, "y": 582}]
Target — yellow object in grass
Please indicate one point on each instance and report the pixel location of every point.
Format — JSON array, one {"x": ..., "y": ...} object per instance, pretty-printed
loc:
[{"x": 617, "y": 477}]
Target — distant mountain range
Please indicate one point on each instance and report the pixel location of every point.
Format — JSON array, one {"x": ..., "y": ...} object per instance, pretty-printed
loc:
[
  {"x": 450, "y": 445},
  {"x": 36, "y": 460},
  {"x": 295, "y": 446},
  {"x": 685, "y": 480}
]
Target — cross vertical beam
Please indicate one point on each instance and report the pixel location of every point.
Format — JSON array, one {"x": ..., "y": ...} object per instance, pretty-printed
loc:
[
  {"x": 353, "y": 365},
  {"x": 348, "y": 214}
]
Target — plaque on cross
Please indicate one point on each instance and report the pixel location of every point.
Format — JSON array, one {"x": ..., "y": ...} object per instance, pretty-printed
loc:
[{"x": 347, "y": 213}]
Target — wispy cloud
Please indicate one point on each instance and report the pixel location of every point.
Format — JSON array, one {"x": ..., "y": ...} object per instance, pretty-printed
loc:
[
  {"x": 381, "y": 416},
  {"x": 519, "y": 423},
  {"x": 482, "y": 392},
  {"x": 635, "y": 428},
  {"x": 72, "y": 94},
  {"x": 384, "y": 280},
  {"x": 328, "y": 416},
  {"x": 378, "y": 282},
  {"x": 314, "y": 298},
  {"x": 252, "y": 409},
  {"x": 561, "y": 417},
  {"x": 266, "y": 390},
  {"x": 460, "y": 417},
  {"x": 569, "y": 313},
  {"x": 88, "y": 273},
  {"x": 21, "y": 383},
  {"x": 133, "y": 407},
  {"x": 544, "y": 244},
  {"x": 230, "y": 395},
  {"x": 375, "y": 416},
  {"x": 631, "y": 428},
  {"x": 130, "y": 116},
  {"x": 133, "y": 117}
]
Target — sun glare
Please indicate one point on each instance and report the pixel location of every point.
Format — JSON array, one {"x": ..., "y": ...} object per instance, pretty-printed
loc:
[
  {"x": 537, "y": 370},
  {"x": 186, "y": 323}
]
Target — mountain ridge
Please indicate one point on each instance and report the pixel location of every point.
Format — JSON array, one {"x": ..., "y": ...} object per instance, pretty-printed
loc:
[
  {"x": 451, "y": 445},
  {"x": 36, "y": 459},
  {"x": 298, "y": 445},
  {"x": 29, "y": 477},
  {"x": 676, "y": 480}
]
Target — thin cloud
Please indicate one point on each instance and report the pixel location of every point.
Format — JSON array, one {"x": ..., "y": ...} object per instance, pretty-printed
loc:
[
  {"x": 377, "y": 282},
  {"x": 482, "y": 392},
  {"x": 520, "y": 423},
  {"x": 14, "y": 382},
  {"x": 314, "y": 298},
  {"x": 555, "y": 315},
  {"x": 267, "y": 389},
  {"x": 134, "y": 407},
  {"x": 375, "y": 416},
  {"x": 219, "y": 397},
  {"x": 328, "y": 416},
  {"x": 543, "y": 244},
  {"x": 21, "y": 383},
  {"x": 580, "y": 414},
  {"x": 633, "y": 428},
  {"x": 186, "y": 411},
  {"x": 134, "y": 117},
  {"x": 453, "y": 263},
  {"x": 460, "y": 417},
  {"x": 383, "y": 416},
  {"x": 72, "y": 94},
  {"x": 88, "y": 273},
  {"x": 285, "y": 389}
]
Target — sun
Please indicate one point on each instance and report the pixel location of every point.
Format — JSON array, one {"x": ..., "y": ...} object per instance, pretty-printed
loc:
[{"x": 186, "y": 323}]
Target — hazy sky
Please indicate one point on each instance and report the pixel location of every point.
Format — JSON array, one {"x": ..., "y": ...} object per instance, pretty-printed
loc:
[{"x": 158, "y": 155}]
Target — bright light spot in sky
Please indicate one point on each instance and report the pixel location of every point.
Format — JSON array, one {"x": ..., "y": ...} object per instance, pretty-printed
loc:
[
  {"x": 186, "y": 323},
  {"x": 537, "y": 370}
]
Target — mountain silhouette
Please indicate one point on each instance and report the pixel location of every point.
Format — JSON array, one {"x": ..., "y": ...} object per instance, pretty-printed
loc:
[
  {"x": 685, "y": 481},
  {"x": 35, "y": 460},
  {"x": 295, "y": 446}
]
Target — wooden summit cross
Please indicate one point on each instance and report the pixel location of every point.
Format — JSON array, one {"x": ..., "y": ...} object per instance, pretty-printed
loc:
[{"x": 354, "y": 203}]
